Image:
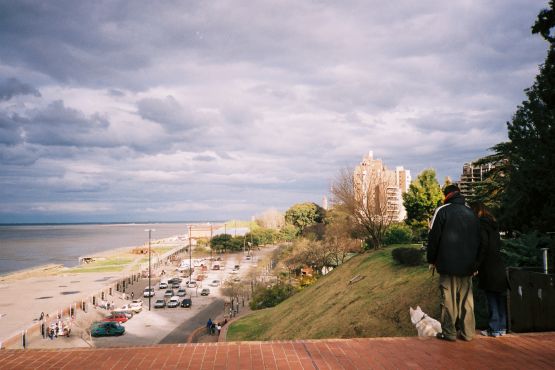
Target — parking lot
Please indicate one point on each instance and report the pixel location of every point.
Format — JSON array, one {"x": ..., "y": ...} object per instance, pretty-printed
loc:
[{"x": 174, "y": 325}]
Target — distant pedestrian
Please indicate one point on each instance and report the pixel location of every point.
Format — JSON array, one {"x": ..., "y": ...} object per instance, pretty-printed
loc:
[
  {"x": 41, "y": 316},
  {"x": 492, "y": 277},
  {"x": 132, "y": 295},
  {"x": 219, "y": 328},
  {"x": 209, "y": 325},
  {"x": 453, "y": 247}
]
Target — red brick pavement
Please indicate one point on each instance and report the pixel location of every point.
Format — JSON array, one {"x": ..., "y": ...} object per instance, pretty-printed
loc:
[{"x": 524, "y": 351}]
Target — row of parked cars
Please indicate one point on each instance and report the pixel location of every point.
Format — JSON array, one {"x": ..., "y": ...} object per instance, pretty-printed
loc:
[{"x": 111, "y": 324}]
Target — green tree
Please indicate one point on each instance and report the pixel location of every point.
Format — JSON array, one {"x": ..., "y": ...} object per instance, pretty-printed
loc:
[
  {"x": 302, "y": 215},
  {"x": 220, "y": 242},
  {"x": 528, "y": 201},
  {"x": 287, "y": 233},
  {"x": 422, "y": 198}
]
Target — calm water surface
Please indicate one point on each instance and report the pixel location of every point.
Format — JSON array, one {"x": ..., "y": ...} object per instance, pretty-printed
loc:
[{"x": 24, "y": 247}]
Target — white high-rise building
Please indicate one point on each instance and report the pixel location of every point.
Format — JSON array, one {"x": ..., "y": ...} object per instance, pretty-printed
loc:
[{"x": 372, "y": 174}]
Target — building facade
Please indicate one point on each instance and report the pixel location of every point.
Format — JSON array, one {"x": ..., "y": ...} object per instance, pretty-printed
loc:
[
  {"x": 471, "y": 176},
  {"x": 377, "y": 186}
]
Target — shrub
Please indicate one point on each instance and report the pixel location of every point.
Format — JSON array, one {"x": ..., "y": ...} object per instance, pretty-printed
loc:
[
  {"x": 265, "y": 297},
  {"x": 408, "y": 256},
  {"x": 525, "y": 250},
  {"x": 398, "y": 234}
]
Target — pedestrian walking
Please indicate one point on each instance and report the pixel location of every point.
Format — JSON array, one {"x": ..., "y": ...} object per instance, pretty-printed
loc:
[
  {"x": 132, "y": 295},
  {"x": 209, "y": 325},
  {"x": 492, "y": 277},
  {"x": 453, "y": 248}
]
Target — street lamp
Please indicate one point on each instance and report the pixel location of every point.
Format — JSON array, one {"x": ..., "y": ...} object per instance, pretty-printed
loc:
[
  {"x": 190, "y": 256},
  {"x": 149, "y": 273}
]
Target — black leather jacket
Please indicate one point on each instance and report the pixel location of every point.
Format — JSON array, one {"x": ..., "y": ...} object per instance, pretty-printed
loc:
[{"x": 454, "y": 239}]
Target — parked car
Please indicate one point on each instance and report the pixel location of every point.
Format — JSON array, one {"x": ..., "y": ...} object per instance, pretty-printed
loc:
[
  {"x": 236, "y": 267},
  {"x": 160, "y": 303},
  {"x": 173, "y": 302},
  {"x": 176, "y": 285},
  {"x": 186, "y": 303},
  {"x": 148, "y": 292},
  {"x": 216, "y": 267},
  {"x": 163, "y": 285},
  {"x": 191, "y": 284},
  {"x": 119, "y": 317},
  {"x": 127, "y": 312},
  {"x": 169, "y": 293},
  {"x": 215, "y": 283},
  {"x": 181, "y": 292},
  {"x": 99, "y": 329},
  {"x": 136, "y": 303},
  {"x": 205, "y": 291},
  {"x": 236, "y": 279},
  {"x": 175, "y": 280},
  {"x": 130, "y": 308}
]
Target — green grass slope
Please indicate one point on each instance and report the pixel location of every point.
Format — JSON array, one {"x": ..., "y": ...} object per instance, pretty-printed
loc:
[{"x": 375, "y": 306}]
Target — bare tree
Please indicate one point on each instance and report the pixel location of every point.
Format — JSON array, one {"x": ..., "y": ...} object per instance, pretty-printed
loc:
[
  {"x": 339, "y": 237},
  {"x": 271, "y": 219},
  {"x": 364, "y": 197}
]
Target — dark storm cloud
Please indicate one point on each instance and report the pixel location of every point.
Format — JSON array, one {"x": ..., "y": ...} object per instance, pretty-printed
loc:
[
  {"x": 10, "y": 129},
  {"x": 167, "y": 112},
  {"x": 11, "y": 87},
  {"x": 59, "y": 125}
]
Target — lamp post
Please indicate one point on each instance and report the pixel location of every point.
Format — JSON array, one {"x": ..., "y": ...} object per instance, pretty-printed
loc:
[
  {"x": 190, "y": 256},
  {"x": 149, "y": 272}
]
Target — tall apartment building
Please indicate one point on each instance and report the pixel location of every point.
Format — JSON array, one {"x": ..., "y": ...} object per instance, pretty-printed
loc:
[
  {"x": 473, "y": 174},
  {"x": 372, "y": 177}
]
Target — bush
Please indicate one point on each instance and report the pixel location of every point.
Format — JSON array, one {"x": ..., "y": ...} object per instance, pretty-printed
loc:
[
  {"x": 269, "y": 297},
  {"x": 408, "y": 256},
  {"x": 526, "y": 250},
  {"x": 398, "y": 234}
]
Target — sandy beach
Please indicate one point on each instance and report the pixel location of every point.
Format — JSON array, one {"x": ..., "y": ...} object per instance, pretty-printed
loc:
[{"x": 51, "y": 289}]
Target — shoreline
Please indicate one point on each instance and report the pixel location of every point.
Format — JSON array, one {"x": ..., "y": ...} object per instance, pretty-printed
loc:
[{"x": 57, "y": 268}]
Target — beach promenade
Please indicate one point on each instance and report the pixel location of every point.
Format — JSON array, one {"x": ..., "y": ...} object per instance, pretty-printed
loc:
[{"x": 54, "y": 290}]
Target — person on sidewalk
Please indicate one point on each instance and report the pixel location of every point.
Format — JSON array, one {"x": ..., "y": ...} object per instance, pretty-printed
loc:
[
  {"x": 453, "y": 247},
  {"x": 492, "y": 277},
  {"x": 209, "y": 326}
]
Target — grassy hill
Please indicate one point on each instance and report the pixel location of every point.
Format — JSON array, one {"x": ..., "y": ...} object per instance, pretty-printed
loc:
[{"x": 375, "y": 306}]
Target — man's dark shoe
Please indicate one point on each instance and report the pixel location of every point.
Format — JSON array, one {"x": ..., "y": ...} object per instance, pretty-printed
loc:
[{"x": 444, "y": 337}]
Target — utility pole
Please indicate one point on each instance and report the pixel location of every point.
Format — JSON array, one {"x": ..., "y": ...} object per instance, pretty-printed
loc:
[
  {"x": 190, "y": 256},
  {"x": 210, "y": 243},
  {"x": 149, "y": 266}
]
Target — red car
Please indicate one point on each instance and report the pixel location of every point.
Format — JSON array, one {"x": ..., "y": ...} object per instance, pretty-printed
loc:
[{"x": 119, "y": 317}]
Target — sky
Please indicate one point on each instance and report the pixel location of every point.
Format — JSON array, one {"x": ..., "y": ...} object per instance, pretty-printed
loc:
[{"x": 211, "y": 110}]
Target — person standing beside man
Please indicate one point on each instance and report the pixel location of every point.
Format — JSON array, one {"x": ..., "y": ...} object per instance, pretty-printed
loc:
[
  {"x": 453, "y": 249},
  {"x": 492, "y": 276}
]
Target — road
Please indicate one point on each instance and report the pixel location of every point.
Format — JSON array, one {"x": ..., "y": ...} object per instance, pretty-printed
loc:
[{"x": 174, "y": 325}]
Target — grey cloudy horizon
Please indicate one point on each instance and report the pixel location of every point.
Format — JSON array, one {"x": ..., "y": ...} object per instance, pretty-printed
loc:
[{"x": 211, "y": 110}]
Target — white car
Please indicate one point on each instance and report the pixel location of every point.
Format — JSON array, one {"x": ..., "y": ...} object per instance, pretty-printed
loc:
[
  {"x": 163, "y": 285},
  {"x": 136, "y": 303},
  {"x": 148, "y": 292},
  {"x": 129, "y": 308},
  {"x": 191, "y": 284},
  {"x": 215, "y": 283},
  {"x": 173, "y": 302}
]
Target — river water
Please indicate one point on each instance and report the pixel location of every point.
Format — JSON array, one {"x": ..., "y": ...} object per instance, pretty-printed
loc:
[{"x": 27, "y": 246}]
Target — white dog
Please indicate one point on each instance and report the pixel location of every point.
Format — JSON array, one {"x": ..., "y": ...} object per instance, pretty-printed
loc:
[{"x": 426, "y": 326}]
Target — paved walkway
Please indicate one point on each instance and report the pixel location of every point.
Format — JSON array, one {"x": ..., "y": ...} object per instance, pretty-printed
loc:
[{"x": 526, "y": 351}]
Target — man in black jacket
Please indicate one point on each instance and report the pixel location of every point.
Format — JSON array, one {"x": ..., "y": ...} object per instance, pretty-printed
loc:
[{"x": 453, "y": 246}]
